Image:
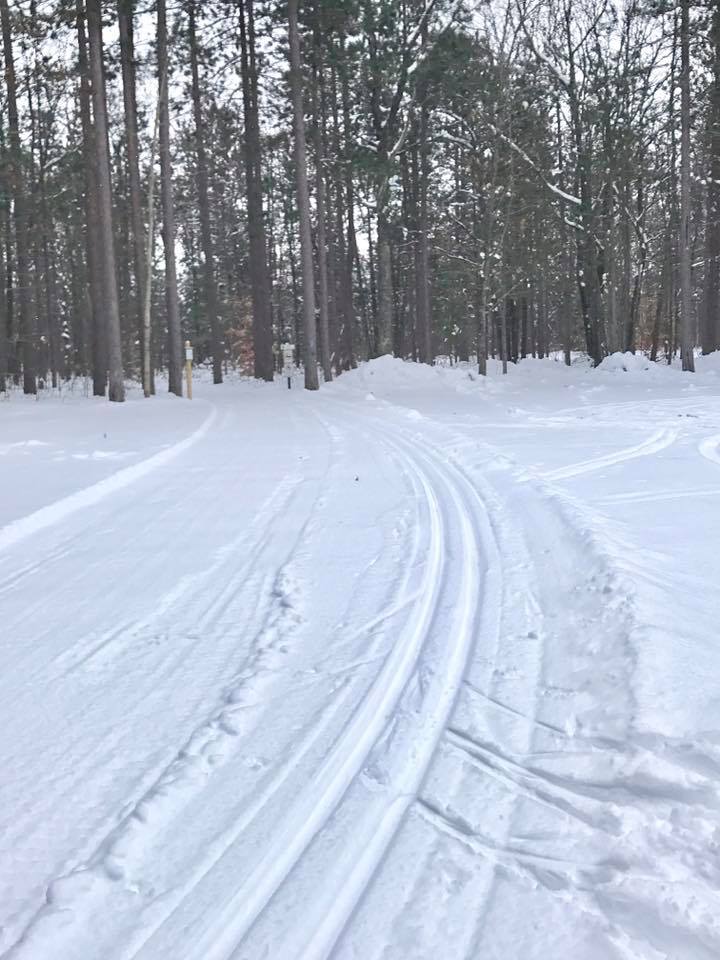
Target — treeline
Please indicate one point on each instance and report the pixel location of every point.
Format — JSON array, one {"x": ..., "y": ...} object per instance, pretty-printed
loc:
[{"x": 357, "y": 177}]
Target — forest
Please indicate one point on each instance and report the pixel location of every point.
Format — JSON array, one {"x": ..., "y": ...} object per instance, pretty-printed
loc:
[{"x": 424, "y": 178}]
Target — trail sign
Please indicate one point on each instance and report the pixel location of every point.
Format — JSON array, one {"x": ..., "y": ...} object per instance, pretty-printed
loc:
[{"x": 288, "y": 358}]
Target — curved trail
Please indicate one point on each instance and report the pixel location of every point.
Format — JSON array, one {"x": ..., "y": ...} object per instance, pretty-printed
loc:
[
  {"x": 359, "y": 847},
  {"x": 383, "y": 705}
]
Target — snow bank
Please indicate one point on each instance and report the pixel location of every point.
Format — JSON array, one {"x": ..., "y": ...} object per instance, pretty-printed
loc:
[{"x": 626, "y": 363}]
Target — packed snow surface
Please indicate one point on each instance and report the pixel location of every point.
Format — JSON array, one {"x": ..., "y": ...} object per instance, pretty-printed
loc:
[{"x": 424, "y": 665}]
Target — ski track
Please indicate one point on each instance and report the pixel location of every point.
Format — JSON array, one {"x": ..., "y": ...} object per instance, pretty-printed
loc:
[
  {"x": 199, "y": 599},
  {"x": 88, "y": 882},
  {"x": 710, "y": 448},
  {"x": 654, "y": 444},
  {"x": 346, "y": 760},
  {"x": 636, "y": 808},
  {"x": 54, "y": 513},
  {"x": 474, "y": 626}
]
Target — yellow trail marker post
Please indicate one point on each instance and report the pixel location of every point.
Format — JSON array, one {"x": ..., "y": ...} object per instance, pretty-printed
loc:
[{"x": 188, "y": 368}]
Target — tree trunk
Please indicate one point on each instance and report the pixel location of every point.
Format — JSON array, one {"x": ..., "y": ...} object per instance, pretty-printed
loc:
[
  {"x": 303, "y": 199},
  {"x": 686, "y": 334},
  {"x": 126, "y": 12},
  {"x": 116, "y": 390},
  {"x": 351, "y": 250},
  {"x": 424, "y": 321},
  {"x": 259, "y": 276},
  {"x": 320, "y": 202},
  {"x": 26, "y": 331},
  {"x": 5, "y": 314},
  {"x": 201, "y": 170},
  {"x": 95, "y": 288},
  {"x": 168, "y": 210},
  {"x": 710, "y": 328}
]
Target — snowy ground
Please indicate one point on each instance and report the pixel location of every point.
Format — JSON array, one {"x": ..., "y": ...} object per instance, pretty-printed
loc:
[{"x": 422, "y": 666}]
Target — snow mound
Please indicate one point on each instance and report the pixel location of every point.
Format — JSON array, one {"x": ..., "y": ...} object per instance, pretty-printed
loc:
[
  {"x": 384, "y": 373},
  {"x": 626, "y": 362}
]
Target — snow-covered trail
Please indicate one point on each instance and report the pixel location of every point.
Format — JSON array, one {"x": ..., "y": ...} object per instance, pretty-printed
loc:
[{"x": 364, "y": 674}]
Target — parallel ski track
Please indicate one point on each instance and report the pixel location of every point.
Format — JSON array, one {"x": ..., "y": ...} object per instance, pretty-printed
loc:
[
  {"x": 654, "y": 444},
  {"x": 475, "y": 595},
  {"x": 449, "y": 499},
  {"x": 444, "y": 489}
]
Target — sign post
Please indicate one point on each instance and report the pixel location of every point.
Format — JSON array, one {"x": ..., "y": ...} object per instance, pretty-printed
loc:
[
  {"x": 188, "y": 368},
  {"x": 288, "y": 356}
]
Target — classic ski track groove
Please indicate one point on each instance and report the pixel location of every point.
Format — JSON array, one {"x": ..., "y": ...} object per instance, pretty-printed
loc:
[
  {"x": 209, "y": 611},
  {"x": 342, "y": 764},
  {"x": 658, "y": 441},
  {"x": 473, "y": 593},
  {"x": 349, "y": 754},
  {"x": 265, "y": 520},
  {"x": 303, "y": 746}
]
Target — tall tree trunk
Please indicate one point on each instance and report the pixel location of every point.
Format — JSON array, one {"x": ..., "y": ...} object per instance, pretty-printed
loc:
[
  {"x": 424, "y": 321},
  {"x": 351, "y": 249},
  {"x": 201, "y": 171},
  {"x": 259, "y": 275},
  {"x": 320, "y": 199},
  {"x": 126, "y": 12},
  {"x": 384, "y": 273},
  {"x": 686, "y": 333},
  {"x": 95, "y": 287},
  {"x": 710, "y": 328},
  {"x": 303, "y": 199},
  {"x": 116, "y": 389},
  {"x": 16, "y": 179},
  {"x": 5, "y": 316},
  {"x": 168, "y": 209}
]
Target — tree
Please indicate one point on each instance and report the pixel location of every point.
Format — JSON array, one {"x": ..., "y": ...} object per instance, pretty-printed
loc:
[
  {"x": 211, "y": 300},
  {"x": 126, "y": 11},
  {"x": 710, "y": 328},
  {"x": 686, "y": 318},
  {"x": 168, "y": 210},
  {"x": 303, "y": 201},
  {"x": 259, "y": 276},
  {"x": 116, "y": 384},
  {"x": 16, "y": 178}
]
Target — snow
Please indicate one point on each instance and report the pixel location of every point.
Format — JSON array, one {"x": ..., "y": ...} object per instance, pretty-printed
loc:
[{"x": 424, "y": 665}]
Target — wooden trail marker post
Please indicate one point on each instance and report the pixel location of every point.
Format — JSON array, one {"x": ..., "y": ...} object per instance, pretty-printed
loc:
[{"x": 188, "y": 368}]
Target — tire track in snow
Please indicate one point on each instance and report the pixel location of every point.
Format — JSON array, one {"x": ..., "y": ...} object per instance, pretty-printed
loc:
[
  {"x": 654, "y": 444},
  {"x": 54, "y": 513}
]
